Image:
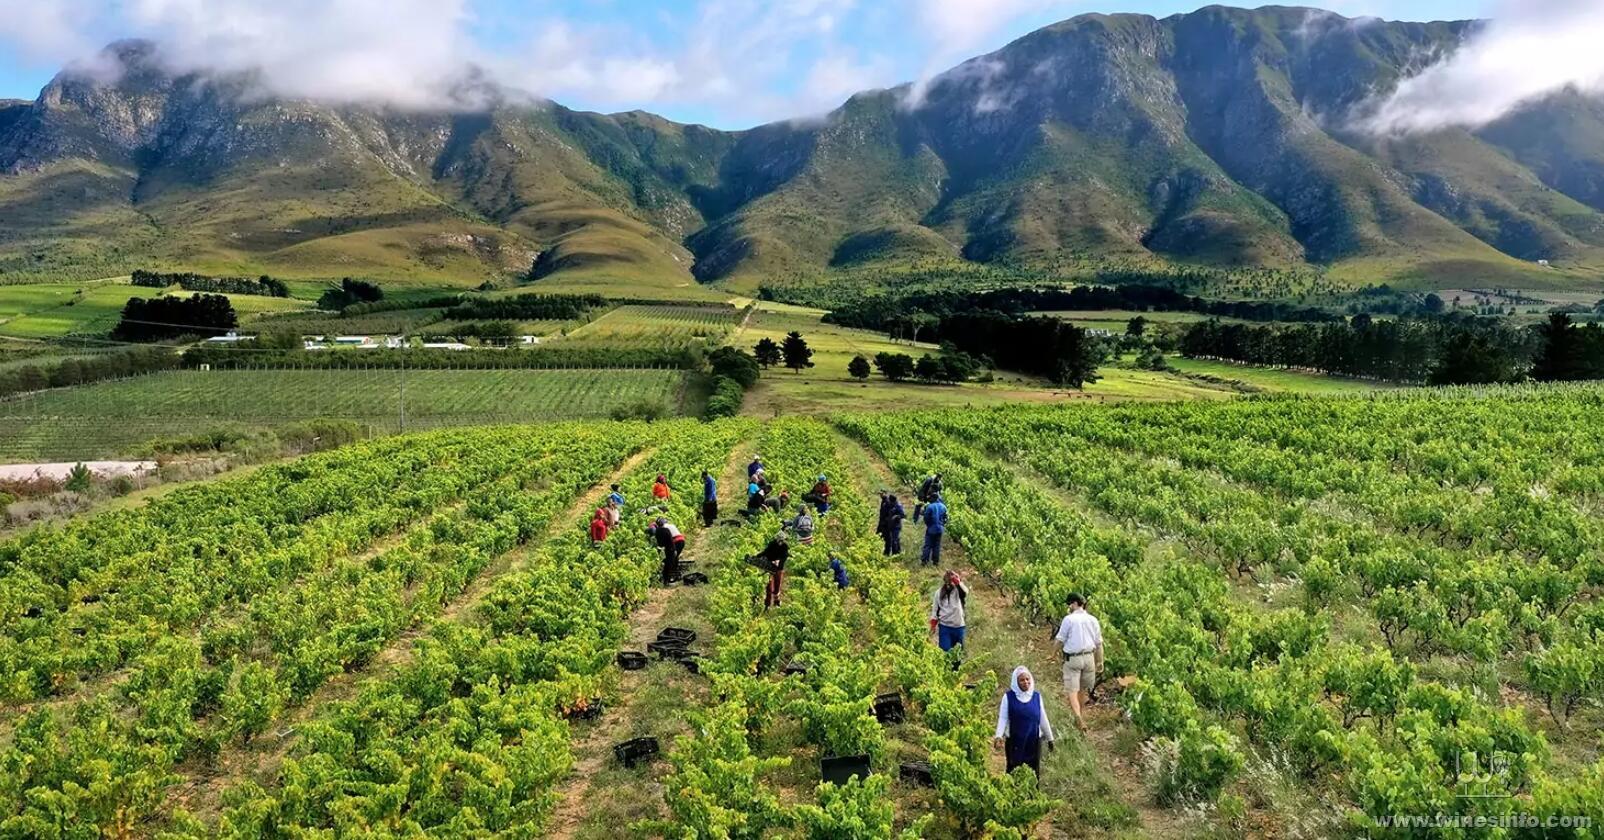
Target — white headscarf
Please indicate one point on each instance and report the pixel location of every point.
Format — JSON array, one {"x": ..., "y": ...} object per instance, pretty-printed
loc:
[{"x": 1024, "y": 696}]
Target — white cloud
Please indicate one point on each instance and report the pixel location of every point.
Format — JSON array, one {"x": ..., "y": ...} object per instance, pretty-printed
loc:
[
  {"x": 954, "y": 29},
  {"x": 742, "y": 61},
  {"x": 1531, "y": 49}
]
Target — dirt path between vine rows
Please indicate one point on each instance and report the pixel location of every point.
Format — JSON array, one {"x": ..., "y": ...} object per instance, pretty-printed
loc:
[
  {"x": 1088, "y": 767},
  {"x": 592, "y": 746},
  {"x": 258, "y": 761}
]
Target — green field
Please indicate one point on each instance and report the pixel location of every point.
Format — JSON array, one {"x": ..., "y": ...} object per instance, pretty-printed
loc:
[
  {"x": 1268, "y": 379},
  {"x": 1302, "y": 607},
  {"x": 658, "y": 325},
  {"x": 53, "y": 310},
  {"x": 112, "y": 418},
  {"x": 1115, "y": 320},
  {"x": 826, "y": 387}
]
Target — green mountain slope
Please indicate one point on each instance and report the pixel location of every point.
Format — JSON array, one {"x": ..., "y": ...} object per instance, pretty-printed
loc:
[{"x": 1220, "y": 137}]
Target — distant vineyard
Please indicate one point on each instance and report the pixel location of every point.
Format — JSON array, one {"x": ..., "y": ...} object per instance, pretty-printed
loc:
[
  {"x": 658, "y": 326},
  {"x": 111, "y": 417}
]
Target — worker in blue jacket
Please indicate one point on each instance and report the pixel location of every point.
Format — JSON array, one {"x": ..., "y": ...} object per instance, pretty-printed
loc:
[
  {"x": 935, "y": 515},
  {"x": 709, "y": 499}
]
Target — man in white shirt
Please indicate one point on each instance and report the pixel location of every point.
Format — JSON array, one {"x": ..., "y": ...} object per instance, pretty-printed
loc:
[{"x": 1082, "y": 638}]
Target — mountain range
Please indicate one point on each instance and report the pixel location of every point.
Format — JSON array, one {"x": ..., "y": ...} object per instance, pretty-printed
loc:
[{"x": 1221, "y": 137}]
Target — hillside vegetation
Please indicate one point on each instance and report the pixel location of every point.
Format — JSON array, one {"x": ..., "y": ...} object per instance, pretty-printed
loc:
[{"x": 1218, "y": 137}]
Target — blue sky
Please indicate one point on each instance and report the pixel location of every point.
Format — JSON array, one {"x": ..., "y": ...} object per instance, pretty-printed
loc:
[{"x": 727, "y": 63}]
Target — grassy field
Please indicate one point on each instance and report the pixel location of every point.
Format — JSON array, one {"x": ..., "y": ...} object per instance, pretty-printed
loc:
[
  {"x": 826, "y": 387},
  {"x": 112, "y": 418},
  {"x": 1115, "y": 320},
  {"x": 53, "y": 310},
  {"x": 1275, "y": 380}
]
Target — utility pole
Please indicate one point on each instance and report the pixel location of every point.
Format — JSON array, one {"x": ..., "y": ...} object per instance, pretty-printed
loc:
[{"x": 403, "y": 399}]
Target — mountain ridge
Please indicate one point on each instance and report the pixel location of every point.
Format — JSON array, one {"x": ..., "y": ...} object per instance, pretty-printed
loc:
[{"x": 1219, "y": 137}]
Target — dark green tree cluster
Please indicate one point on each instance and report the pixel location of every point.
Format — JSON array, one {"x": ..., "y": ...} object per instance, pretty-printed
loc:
[
  {"x": 950, "y": 366},
  {"x": 911, "y": 315},
  {"x": 264, "y": 285},
  {"x": 733, "y": 364},
  {"x": 734, "y": 372},
  {"x": 1442, "y": 350},
  {"x": 1569, "y": 352},
  {"x": 162, "y": 318},
  {"x": 349, "y": 293},
  {"x": 1048, "y": 347}
]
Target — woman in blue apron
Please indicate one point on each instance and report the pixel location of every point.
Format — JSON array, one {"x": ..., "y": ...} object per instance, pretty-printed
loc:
[{"x": 1022, "y": 723}]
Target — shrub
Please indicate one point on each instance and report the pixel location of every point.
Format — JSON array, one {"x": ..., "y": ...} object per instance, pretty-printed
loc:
[
  {"x": 730, "y": 363},
  {"x": 1193, "y": 767},
  {"x": 726, "y": 399},
  {"x": 78, "y": 479}
]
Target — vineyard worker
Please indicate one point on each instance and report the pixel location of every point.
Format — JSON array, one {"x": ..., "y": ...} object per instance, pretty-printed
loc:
[
  {"x": 947, "y": 612},
  {"x": 777, "y": 552},
  {"x": 598, "y": 527},
  {"x": 893, "y": 530},
  {"x": 617, "y": 496},
  {"x": 709, "y": 499},
  {"x": 821, "y": 494},
  {"x": 779, "y": 503},
  {"x": 755, "y": 467},
  {"x": 929, "y": 491},
  {"x": 660, "y": 489},
  {"x": 839, "y": 569},
  {"x": 1022, "y": 723},
  {"x": 672, "y": 542},
  {"x": 1082, "y": 638},
  {"x": 615, "y": 513},
  {"x": 935, "y": 527},
  {"x": 880, "y": 517},
  {"x": 754, "y": 499},
  {"x": 802, "y": 524}
]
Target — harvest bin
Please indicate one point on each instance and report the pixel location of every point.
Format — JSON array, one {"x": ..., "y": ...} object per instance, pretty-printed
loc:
[
  {"x": 888, "y": 708},
  {"x": 841, "y": 768},
  {"x": 669, "y": 633},
  {"x": 631, "y": 660},
  {"x": 917, "y": 773},
  {"x": 635, "y": 750}
]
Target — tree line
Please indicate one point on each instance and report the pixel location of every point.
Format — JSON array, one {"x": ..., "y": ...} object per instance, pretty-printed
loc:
[
  {"x": 912, "y": 314},
  {"x": 526, "y": 308},
  {"x": 98, "y": 368},
  {"x": 190, "y": 282},
  {"x": 1441, "y": 350}
]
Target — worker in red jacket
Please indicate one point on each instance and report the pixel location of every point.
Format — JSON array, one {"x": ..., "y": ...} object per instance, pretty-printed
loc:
[{"x": 598, "y": 527}]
